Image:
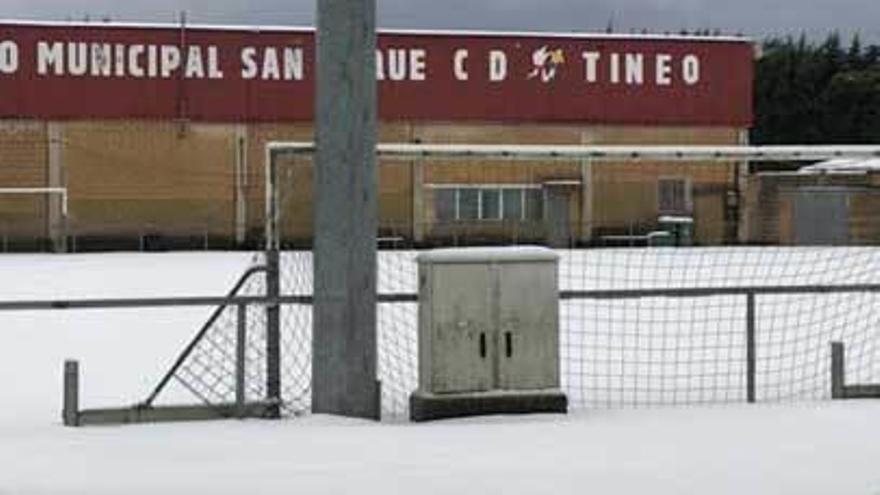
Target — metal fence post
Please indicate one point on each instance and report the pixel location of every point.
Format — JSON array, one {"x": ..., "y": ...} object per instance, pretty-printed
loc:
[
  {"x": 838, "y": 371},
  {"x": 273, "y": 288},
  {"x": 273, "y": 333},
  {"x": 750, "y": 348},
  {"x": 70, "y": 413},
  {"x": 240, "y": 347}
]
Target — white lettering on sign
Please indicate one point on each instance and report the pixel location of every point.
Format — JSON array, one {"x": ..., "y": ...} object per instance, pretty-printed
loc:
[
  {"x": 418, "y": 65},
  {"x": 497, "y": 66},
  {"x": 101, "y": 60},
  {"x": 293, "y": 64},
  {"x": 152, "y": 61},
  {"x": 135, "y": 69},
  {"x": 50, "y": 56},
  {"x": 458, "y": 65},
  {"x": 138, "y": 61},
  {"x": 8, "y": 57},
  {"x": 635, "y": 68},
  {"x": 268, "y": 66},
  {"x": 119, "y": 60},
  {"x": 691, "y": 70},
  {"x": 591, "y": 63},
  {"x": 401, "y": 64},
  {"x": 287, "y": 63},
  {"x": 664, "y": 69},
  {"x": 77, "y": 59},
  {"x": 271, "y": 68},
  {"x": 615, "y": 68},
  {"x": 248, "y": 63},
  {"x": 630, "y": 68},
  {"x": 169, "y": 60},
  {"x": 396, "y": 65},
  {"x": 380, "y": 66},
  {"x": 195, "y": 67}
]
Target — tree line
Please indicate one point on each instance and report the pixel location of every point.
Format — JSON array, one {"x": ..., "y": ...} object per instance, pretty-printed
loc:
[{"x": 817, "y": 92}]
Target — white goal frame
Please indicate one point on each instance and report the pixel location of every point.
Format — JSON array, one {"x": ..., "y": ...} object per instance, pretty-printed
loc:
[
  {"x": 409, "y": 151},
  {"x": 22, "y": 191},
  {"x": 58, "y": 238},
  {"x": 555, "y": 153}
]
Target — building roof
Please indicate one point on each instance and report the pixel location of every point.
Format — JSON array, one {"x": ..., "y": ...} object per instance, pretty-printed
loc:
[
  {"x": 842, "y": 166},
  {"x": 390, "y": 31}
]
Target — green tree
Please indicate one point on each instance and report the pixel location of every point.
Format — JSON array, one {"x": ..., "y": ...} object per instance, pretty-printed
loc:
[{"x": 817, "y": 93}]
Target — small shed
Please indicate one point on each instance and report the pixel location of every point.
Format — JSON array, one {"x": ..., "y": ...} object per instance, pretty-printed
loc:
[{"x": 828, "y": 203}]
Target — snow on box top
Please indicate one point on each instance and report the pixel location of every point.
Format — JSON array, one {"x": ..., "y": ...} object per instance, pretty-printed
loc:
[{"x": 489, "y": 255}]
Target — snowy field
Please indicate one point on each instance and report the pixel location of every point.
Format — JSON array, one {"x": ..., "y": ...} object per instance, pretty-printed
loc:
[{"x": 800, "y": 447}]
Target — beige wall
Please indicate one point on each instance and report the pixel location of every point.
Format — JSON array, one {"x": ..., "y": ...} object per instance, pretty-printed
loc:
[
  {"x": 23, "y": 163},
  {"x": 127, "y": 178}
]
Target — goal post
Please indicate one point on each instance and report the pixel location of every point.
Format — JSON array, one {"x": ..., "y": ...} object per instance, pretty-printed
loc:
[
  {"x": 666, "y": 327},
  {"x": 542, "y": 172},
  {"x": 56, "y": 212},
  {"x": 664, "y": 153}
]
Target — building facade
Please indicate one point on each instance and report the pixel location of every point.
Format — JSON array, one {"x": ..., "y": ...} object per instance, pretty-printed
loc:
[{"x": 158, "y": 132}]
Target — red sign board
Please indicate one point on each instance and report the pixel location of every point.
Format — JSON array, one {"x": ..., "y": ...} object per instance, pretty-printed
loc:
[{"x": 66, "y": 71}]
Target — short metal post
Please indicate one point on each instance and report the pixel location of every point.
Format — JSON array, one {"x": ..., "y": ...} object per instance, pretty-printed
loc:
[
  {"x": 70, "y": 413},
  {"x": 750, "y": 348},
  {"x": 273, "y": 333},
  {"x": 240, "y": 346},
  {"x": 273, "y": 287},
  {"x": 838, "y": 371}
]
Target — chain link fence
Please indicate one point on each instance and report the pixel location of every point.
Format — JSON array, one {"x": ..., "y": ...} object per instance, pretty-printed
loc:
[{"x": 639, "y": 328}]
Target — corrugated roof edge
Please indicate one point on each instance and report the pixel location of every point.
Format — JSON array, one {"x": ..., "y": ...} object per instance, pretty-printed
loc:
[{"x": 415, "y": 32}]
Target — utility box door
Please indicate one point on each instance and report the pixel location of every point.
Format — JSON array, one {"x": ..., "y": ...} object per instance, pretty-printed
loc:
[
  {"x": 461, "y": 329},
  {"x": 528, "y": 316},
  {"x": 821, "y": 216}
]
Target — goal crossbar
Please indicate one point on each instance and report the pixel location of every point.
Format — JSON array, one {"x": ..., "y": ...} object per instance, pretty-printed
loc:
[
  {"x": 786, "y": 153},
  {"x": 60, "y": 191}
]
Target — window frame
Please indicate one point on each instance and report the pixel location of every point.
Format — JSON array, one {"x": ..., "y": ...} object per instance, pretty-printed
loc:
[
  {"x": 480, "y": 188},
  {"x": 687, "y": 191}
]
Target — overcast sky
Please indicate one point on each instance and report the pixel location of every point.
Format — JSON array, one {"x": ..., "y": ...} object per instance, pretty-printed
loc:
[{"x": 757, "y": 18}]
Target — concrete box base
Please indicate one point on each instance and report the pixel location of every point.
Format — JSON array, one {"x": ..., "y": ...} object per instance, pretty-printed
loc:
[{"x": 426, "y": 406}]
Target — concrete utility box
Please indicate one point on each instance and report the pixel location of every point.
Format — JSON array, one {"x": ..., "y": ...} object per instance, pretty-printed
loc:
[{"x": 488, "y": 333}]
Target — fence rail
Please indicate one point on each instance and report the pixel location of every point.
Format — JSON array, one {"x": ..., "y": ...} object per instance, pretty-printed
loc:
[{"x": 183, "y": 301}]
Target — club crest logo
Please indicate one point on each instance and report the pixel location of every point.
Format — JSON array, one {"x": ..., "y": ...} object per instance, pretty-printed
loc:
[{"x": 546, "y": 63}]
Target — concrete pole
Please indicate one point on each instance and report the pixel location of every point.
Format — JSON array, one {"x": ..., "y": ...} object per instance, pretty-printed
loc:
[{"x": 346, "y": 212}]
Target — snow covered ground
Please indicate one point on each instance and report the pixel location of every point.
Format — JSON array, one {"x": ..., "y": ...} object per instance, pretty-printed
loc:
[{"x": 810, "y": 447}]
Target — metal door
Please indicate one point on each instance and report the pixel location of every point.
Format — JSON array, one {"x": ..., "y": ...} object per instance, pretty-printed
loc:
[
  {"x": 821, "y": 216},
  {"x": 463, "y": 344},
  {"x": 557, "y": 217},
  {"x": 528, "y": 340}
]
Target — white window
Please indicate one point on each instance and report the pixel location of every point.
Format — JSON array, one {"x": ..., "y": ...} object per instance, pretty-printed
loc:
[
  {"x": 674, "y": 195},
  {"x": 487, "y": 202}
]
